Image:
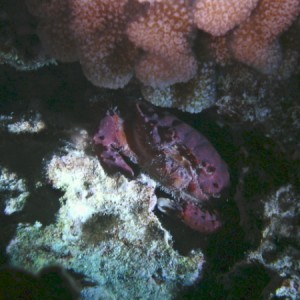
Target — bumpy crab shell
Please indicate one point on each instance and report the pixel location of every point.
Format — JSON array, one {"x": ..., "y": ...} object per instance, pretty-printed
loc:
[{"x": 181, "y": 159}]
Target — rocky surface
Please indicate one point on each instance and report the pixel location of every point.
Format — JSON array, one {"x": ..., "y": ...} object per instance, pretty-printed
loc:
[{"x": 105, "y": 231}]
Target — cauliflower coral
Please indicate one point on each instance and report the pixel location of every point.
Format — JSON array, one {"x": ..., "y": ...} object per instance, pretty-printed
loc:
[
  {"x": 153, "y": 39},
  {"x": 255, "y": 42},
  {"x": 164, "y": 32}
]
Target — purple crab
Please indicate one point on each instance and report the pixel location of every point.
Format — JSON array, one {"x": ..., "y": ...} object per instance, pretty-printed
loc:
[{"x": 177, "y": 156}]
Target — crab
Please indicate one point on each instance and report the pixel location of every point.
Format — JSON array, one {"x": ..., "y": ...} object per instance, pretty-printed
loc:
[{"x": 178, "y": 157}]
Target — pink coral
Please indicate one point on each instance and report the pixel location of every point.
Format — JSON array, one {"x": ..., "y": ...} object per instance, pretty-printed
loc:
[
  {"x": 219, "y": 16},
  {"x": 255, "y": 42},
  {"x": 53, "y": 28},
  {"x": 78, "y": 30},
  {"x": 154, "y": 38},
  {"x": 106, "y": 55},
  {"x": 164, "y": 32}
]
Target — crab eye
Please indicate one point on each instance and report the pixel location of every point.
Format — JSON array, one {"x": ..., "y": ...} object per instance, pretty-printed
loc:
[
  {"x": 215, "y": 185},
  {"x": 211, "y": 169}
]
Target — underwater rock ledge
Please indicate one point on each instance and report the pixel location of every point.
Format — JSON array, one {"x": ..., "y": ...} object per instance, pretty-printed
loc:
[{"x": 105, "y": 231}]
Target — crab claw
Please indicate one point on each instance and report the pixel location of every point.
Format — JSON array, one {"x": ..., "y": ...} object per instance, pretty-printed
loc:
[
  {"x": 192, "y": 215},
  {"x": 199, "y": 219},
  {"x": 112, "y": 146}
]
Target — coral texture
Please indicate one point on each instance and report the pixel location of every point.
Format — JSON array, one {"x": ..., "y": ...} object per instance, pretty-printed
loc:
[
  {"x": 78, "y": 30},
  {"x": 255, "y": 42},
  {"x": 154, "y": 39},
  {"x": 279, "y": 248},
  {"x": 54, "y": 28},
  {"x": 164, "y": 32},
  {"x": 105, "y": 232},
  {"x": 13, "y": 191},
  {"x": 279, "y": 119},
  {"x": 217, "y": 17},
  {"x": 194, "y": 96},
  {"x": 103, "y": 48}
]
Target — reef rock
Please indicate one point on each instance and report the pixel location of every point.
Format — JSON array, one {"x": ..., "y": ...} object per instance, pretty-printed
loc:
[
  {"x": 13, "y": 190},
  {"x": 279, "y": 247},
  {"x": 106, "y": 231}
]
